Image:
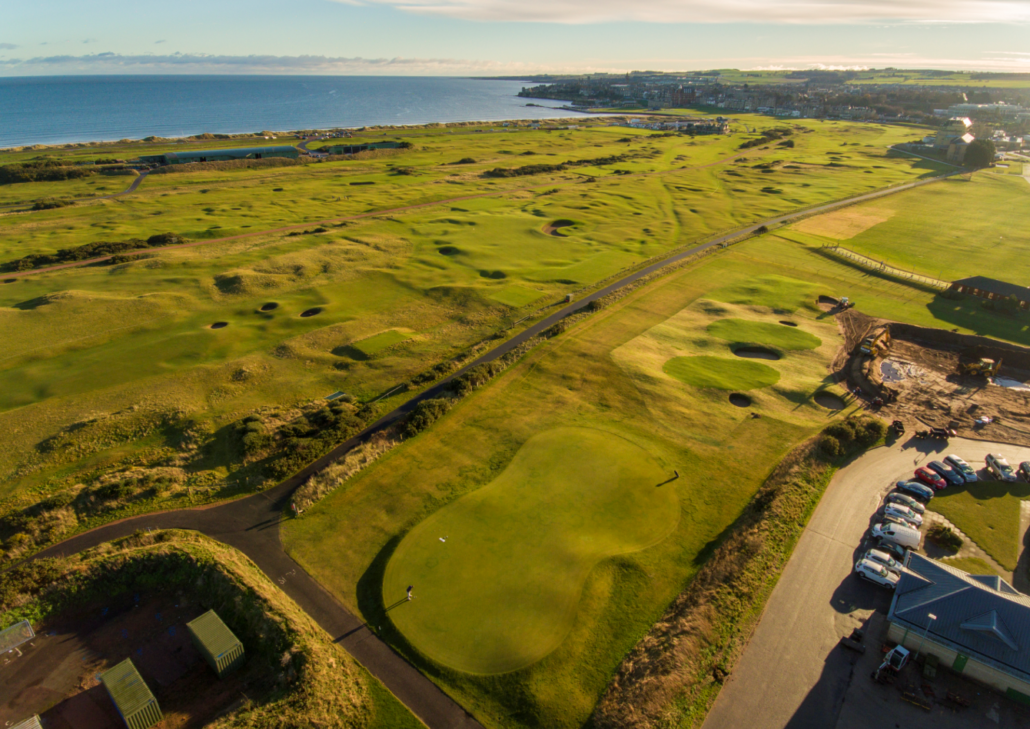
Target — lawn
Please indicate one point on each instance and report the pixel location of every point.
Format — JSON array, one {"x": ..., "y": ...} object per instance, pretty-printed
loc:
[
  {"x": 499, "y": 572},
  {"x": 972, "y": 565},
  {"x": 988, "y": 512},
  {"x": 721, "y": 373},
  {"x": 778, "y": 335}
]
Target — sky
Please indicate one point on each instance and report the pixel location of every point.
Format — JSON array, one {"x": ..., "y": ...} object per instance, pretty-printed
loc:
[{"x": 507, "y": 37}]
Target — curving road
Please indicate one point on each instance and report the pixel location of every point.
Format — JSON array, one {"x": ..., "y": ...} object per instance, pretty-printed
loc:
[
  {"x": 130, "y": 189},
  {"x": 791, "y": 674},
  {"x": 252, "y": 524}
]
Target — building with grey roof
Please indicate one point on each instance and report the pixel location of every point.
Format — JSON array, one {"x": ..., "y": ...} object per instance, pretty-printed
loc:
[{"x": 978, "y": 625}]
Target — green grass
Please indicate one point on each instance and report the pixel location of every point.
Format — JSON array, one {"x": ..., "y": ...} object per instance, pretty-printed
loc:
[
  {"x": 972, "y": 565},
  {"x": 721, "y": 373},
  {"x": 502, "y": 591},
  {"x": 988, "y": 513},
  {"x": 375, "y": 344},
  {"x": 778, "y": 336}
]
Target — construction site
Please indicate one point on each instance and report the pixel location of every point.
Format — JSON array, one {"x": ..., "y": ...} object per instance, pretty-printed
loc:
[{"x": 932, "y": 378}]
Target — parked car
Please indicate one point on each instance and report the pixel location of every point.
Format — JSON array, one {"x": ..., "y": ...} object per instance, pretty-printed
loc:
[
  {"x": 931, "y": 479},
  {"x": 998, "y": 467},
  {"x": 906, "y": 536},
  {"x": 877, "y": 574},
  {"x": 904, "y": 513},
  {"x": 949, "y": 474},
  {"x": 894, "y": 551},
  {"x": 967, "y": 471},
  {"x": 881, "y": 557},
  {"x": 915, "y": 489},
  {"x": 1024, "y": 470},
  {"x": 895, "y": 497}
]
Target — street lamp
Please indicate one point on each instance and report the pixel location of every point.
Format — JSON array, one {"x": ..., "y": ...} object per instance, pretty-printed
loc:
[{"x": 929, "y": 622}]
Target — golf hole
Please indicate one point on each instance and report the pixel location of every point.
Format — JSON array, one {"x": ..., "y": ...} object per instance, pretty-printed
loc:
[
  {"x": 220, "y": 325},
  {"x": 311, "y": 312},
  {"x": 756, "y": 353},
  {"x": 270, "y": 306},
  {"x": 741, "y": 401},
  {"x": 786, "y": 323},
  {"x": 829, "y": 401}
]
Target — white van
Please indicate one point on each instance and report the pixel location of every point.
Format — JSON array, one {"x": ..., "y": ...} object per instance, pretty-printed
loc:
[{"x": 898, "y": 534}]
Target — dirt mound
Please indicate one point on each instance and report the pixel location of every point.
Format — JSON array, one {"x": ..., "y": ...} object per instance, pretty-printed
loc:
[{"x": 553, "y": 227}]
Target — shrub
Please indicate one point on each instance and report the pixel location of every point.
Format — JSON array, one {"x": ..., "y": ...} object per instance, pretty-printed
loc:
[
  {"x": 425, "y": 414},
  {"x": 945, "y": 537},
  {"x": 49, "y": 203},
  {"x": 831, "y": 446}
]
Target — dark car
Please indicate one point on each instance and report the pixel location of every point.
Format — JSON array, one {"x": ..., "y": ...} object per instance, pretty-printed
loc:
[
  {"x": 896, "y": 551},
  {"x": 960, "y": 465},
  {"x": 930, "y": 478},
  {"x": 1024, "y": 470},
  {"x": 949, "y": 474},
  {"x": 915, "y": 489}
]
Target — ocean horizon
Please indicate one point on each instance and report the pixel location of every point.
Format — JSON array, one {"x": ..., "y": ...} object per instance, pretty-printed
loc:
[{"x": 56, "y": 110}]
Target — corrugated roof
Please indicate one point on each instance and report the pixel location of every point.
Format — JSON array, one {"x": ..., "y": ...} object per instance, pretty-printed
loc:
[
  {"x": 988, "y": 621},
  {"x": 31, "y": 723},
  {"x": 995, "y": 286},
  {"x": 127, "y": 688},
  {"x": 213, "y": 633},
  {"x": 15, "y": 635}
]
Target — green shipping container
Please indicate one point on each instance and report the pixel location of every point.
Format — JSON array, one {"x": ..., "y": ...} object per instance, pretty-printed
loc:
[
  {"x": 131, "y": 696},
  {"x": 222, "y": 650}
]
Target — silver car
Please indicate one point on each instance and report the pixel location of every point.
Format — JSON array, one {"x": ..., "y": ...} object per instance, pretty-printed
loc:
[
  {"x": 999, "y": 467},
  {"x": 882, "y": 558}
]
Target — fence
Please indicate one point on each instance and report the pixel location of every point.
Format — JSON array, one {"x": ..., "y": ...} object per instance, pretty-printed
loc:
[{"x": 883, "y": 268}]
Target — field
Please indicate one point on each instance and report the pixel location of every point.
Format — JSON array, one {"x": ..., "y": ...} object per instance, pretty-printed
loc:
[
  {"x": 987, "y": 511},
  {"x": 117, "y": 368}
]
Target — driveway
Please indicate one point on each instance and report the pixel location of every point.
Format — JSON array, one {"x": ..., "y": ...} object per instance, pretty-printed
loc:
[{"x": 791, "y": 674}]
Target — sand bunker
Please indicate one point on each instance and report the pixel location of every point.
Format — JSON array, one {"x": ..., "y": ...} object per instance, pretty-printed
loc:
[
  {"x": 788, "y": 323},
  {"x": 311, "y": 312},
  {"x": 219, "y": 325},
  {"x": 270, "y": 306},
  {"x": 448, "y": 251},
  {"x": 829, "y": 401},
  {"x": 553, "y": 228},
  {"x": 756, "y": 353},
  {"x": 741, "y": 401}
]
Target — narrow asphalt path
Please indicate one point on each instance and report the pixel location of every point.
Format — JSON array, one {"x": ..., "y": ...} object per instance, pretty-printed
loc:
[
  {"x": 792, "y": 675},
  {"x": 130, "y": 189},
  {"x": 251, "y": 524}
]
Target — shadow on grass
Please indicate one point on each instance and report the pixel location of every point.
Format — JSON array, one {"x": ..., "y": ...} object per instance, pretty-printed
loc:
[{"x": 969, "y": 313}]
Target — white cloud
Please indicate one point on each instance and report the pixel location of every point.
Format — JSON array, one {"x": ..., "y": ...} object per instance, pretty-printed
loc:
[{"x": 721, "y": 11}]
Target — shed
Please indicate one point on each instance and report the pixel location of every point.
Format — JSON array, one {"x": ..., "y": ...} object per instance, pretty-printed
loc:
[
  {"x": 132, "y": 698},
  {"x": 30, "y": 723},
  {"x": 220, "y": 648},
  {"x": 14, "y": 636}
]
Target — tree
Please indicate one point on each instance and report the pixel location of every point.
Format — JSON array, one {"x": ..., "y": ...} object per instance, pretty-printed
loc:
[{"x": 980, "y": 153}]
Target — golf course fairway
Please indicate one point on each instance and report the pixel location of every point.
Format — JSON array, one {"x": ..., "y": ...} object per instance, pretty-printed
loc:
[{"x": 498, "y": 574}]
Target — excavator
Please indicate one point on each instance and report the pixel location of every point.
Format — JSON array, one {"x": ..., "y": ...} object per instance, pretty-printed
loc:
[{"x": 980, "y": 367}]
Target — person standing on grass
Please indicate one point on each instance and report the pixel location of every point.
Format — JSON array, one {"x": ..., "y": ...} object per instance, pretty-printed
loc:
[{"x": 410, "y": 588}]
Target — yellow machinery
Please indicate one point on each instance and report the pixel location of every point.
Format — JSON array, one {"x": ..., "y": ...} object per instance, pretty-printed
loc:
[
  {"x": 982, "y": 367},
  {"x": 878, "y": 344}
]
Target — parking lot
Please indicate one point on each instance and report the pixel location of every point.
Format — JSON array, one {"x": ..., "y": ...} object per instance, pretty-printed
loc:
[{"x": 793, "y": 674}]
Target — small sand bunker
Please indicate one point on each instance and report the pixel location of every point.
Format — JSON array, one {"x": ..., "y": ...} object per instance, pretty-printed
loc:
[
  {"x": 311, "y": 312},
  {"x": 220, "y": 325},
  {"x": 756, "y": 353},
  {"x": 741, "y": 401},
  {"x": 553, "y": 228},
  {"x": 448, "y": 251},
  {"x": 270, "y": 306},
  {"x": 786, "y": 323},
  {"x": 829, "y": 401}
]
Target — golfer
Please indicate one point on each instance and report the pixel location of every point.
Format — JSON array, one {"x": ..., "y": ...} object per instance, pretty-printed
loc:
[{"x": 410, "y": 588}]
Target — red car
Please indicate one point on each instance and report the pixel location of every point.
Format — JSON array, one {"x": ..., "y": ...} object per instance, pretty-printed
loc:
[{"x": 931, "y": 479}]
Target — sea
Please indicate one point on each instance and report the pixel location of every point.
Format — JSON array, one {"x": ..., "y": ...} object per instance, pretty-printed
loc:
[{"x": 65, "y": 109}]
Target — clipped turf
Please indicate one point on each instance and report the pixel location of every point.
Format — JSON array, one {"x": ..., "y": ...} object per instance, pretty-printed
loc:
[
  {"x": 498, "y": 574},
  {"x": 721, "y": 373},
  {"x": 778, "y": 336},
  {"x": 988, "y": 512}
]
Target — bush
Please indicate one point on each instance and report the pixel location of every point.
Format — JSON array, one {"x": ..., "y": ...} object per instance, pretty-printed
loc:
[
  {"x": 465, "y": 161},
  {"x": 50, "y": 203},
  {"x": 425, "y": 414},
  {"x": 91, "y": 250},
  {"x": 851, "y": 435},
  {"x": 831, "y": 446},
  {"x": 945, "y": 537}
]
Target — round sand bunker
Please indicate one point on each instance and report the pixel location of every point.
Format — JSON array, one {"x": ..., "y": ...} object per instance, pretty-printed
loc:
[
  {"x": 270, "y": 306},
  {"x": 311, "y": 312},
  {"x": 829, "y": 401},
  {"x": 219, "y": 325},
  {"x": 741, "y": 401},
  {"x": 756, "y": 353}
]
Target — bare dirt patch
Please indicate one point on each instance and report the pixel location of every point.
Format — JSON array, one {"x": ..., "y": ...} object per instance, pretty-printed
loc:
[
  {"x": 846, "y": 223},
  {"x": 56, "y": 675}
]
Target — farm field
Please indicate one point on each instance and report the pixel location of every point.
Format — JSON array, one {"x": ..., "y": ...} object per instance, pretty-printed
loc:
[{"x": 151, "y": 363}]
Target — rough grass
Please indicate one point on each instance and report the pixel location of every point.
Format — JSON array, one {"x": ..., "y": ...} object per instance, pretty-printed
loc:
[
  {"x": 307, "y": 680},
  {"x": 777, "y": 336},
  {"x": 988, "y": 513},
  {"x": 972, "y": 565},
  {"x": 498, "y": 573},
  {"x": 721, "y": 373}
]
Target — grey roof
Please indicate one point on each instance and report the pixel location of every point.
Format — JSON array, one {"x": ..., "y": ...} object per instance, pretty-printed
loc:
[
  {"x": 995, "y": 286},
  {"x": 234, "y": 153},
  {"x": 980, "y": 616}
]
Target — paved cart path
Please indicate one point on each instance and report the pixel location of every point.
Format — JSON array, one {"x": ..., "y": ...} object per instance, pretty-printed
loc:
[
  {"x": 130, "y": 189},
  {"x": 251, "y": 524}
]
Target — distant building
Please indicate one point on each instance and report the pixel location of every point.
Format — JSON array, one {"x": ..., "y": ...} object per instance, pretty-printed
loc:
[
  {"x": 989, "y": 288},
  {"x": 958, "y": 147},
  {"x": 952, "y": 130},
  {"x": 220, "y": 155},
  {"x": 976, "y": 625}
]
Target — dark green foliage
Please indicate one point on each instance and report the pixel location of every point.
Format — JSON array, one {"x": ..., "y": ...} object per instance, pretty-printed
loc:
[
  {"x": 831, "y": 446},
  {"x": 542, "y": 168},
  {"x": 49, "y": 203},
  {"x": 945, "y": 537},
  {"x": 980, "y": 153},
  {"x": 435, "y": 373},
  {"x": 28, "y": 579},
  {"x": 465, "y": 161},
  {"x": 42, "y": 171},
  {"x": 770, "y": 135},
  {"x": 425, "y": 414},
  {"x": 477, "y": 376},
  {"x": 845, "y": 437},
  {"x": 92, "y": 250}
]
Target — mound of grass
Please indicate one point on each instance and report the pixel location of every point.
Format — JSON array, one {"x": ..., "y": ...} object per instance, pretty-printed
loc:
[
  {"x": 511, "y": 558},
  {"x": 743, "y": 331},
  {"x": 721, "y": 373},
  {"x": 988, "y": 513}
]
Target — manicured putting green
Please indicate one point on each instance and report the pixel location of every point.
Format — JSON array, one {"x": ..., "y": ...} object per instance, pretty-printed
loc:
[
  {"x": 721, "y": 373},
  {"x": 744, "y": 331},
  {"x": 380, "y": 341},
  {"x": 498, "y": 574}
]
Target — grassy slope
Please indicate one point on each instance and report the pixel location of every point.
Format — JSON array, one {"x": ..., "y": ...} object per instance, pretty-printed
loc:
[
  {"x": 348, "y": 539},
  {"x": 988, "y": 512}
]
